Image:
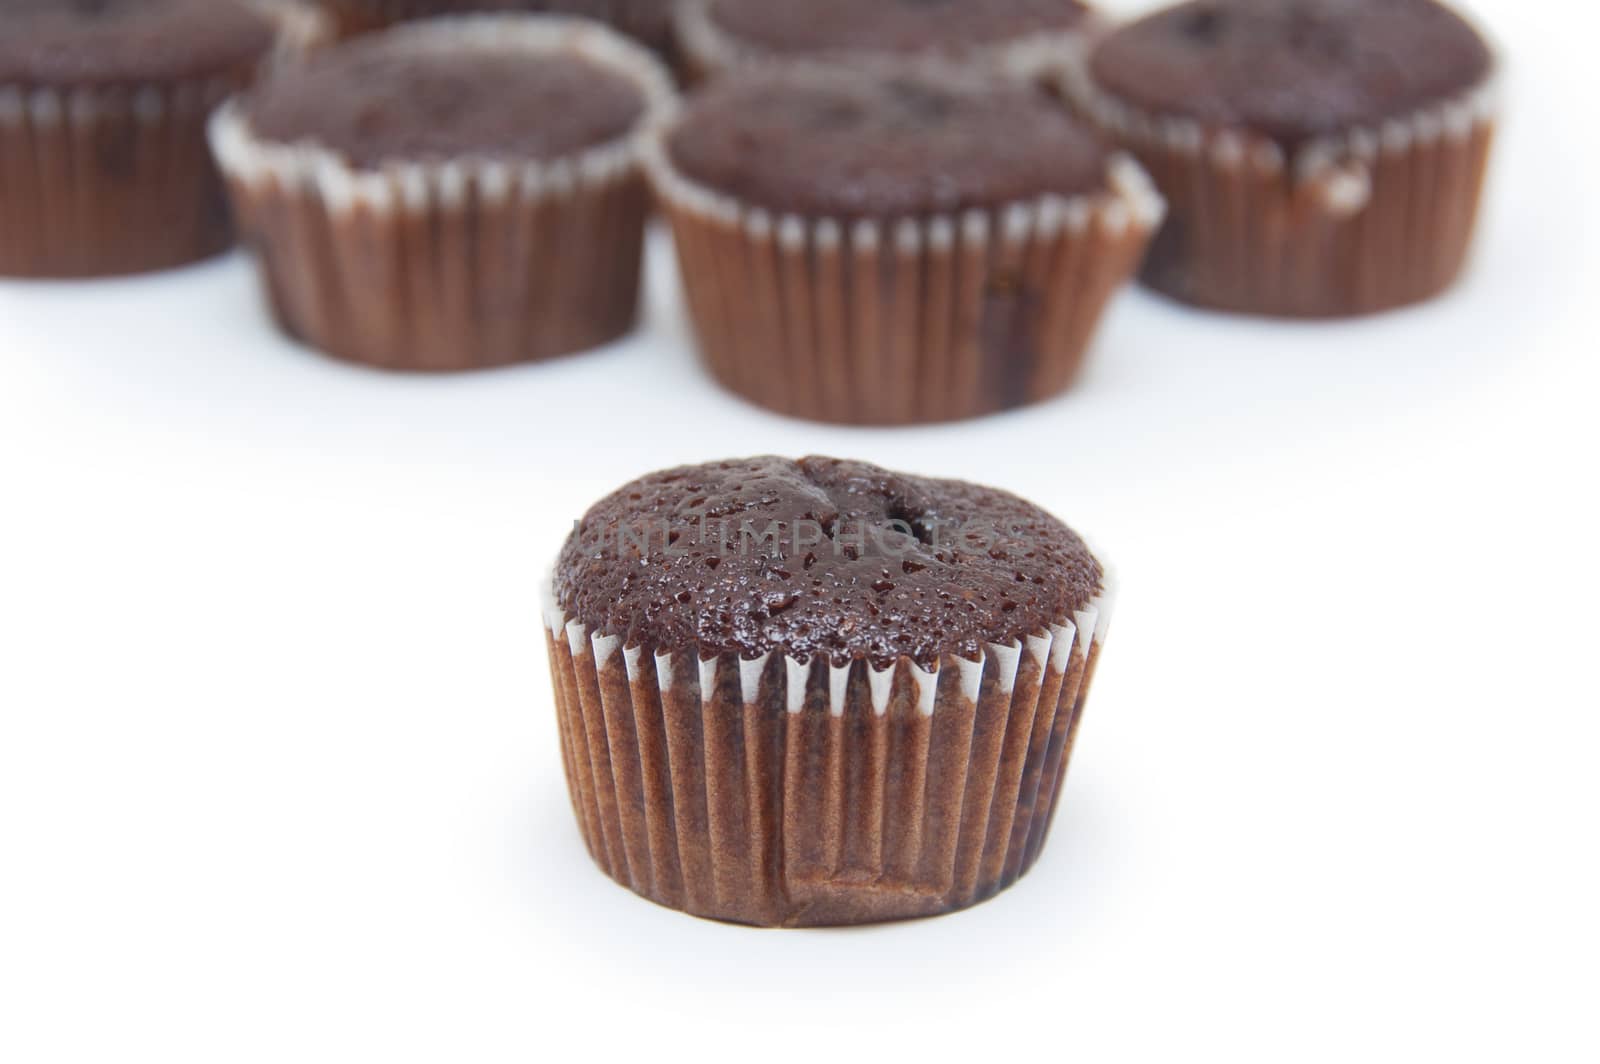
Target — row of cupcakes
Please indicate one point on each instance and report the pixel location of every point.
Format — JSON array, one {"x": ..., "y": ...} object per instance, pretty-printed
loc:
[
  {"x": 872, "y": 243},
  {"x": 916, "y": 234}
]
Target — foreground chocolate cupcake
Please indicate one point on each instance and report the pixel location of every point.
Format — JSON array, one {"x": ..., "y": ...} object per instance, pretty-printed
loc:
[
  {"x": 450, "y": 194},
  {"x": 818, "y": 692},
  {"x": 104, "y": 167},
  {"x": 1322, "y": 157},
  {"x": 887, "y": 248},
  {"x": 719, "y": 35},
  {"x": 649, "y": 21}
]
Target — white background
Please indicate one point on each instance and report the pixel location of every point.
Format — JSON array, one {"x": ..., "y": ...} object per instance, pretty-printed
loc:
[{"x": 279, "y": 776}]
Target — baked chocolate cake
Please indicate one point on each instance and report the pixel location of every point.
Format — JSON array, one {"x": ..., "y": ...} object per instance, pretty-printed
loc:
[
  {"x": 452, "y": 194},
  {"x": 887, "y": 246},
  {"x": 373, "y": 103},
  {"x": 1322, "y": 157},
  {"x": 863, "y": 145},
  {"x": 817, "y": 691},
  {"x": 648, "y": 21},
  {"x": 1293, "y": 69},
  {"x": 103, "y": 162},
  {"x": 720, "y": 34}
]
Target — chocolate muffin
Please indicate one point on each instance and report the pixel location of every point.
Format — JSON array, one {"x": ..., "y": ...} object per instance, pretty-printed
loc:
[
  {"x": 648, "y": 21},
  {"x": 819, "y": 692},
  {"x": 104, "y": 168},
  {"x": 888, "y": 247},
  {"x": 450, "y": 194},
  {"x": 718, "y": 35},
  {"x": 1321, "y": 157}
]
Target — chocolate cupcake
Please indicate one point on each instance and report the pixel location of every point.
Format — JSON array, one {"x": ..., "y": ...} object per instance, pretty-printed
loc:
[
  {"x": 718, "y": 35},
  {"x": 819, "y": 692},
  {"x": 884, "y": 247},
  {"x": 450, "y": 194},
  {"x": 1321, "y": 157},
  {"x": 104, "y": 168},
  {"x": 648, "y": 21}
]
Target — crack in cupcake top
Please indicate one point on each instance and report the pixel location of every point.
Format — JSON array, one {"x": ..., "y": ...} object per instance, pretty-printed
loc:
[
  {"x": 904, "y": 26},
  {"x": 386, "y": 99},
  {"x": 1293, "y": 69},
  {"x": 881, "y": 143},
  {"x": 820, "y": 557},
  {"x": 65, "y": 43}
]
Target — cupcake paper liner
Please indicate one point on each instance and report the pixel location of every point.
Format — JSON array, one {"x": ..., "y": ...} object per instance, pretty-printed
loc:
[
  {"x": 707, "y": 49},
  {"x": 782, "y": 792},
  {"x": 455, "y": 265},
  {"x": 1366, "y": 220},
  {"x": 912, "y": 320},
  {"x": 117, "y": 179}
]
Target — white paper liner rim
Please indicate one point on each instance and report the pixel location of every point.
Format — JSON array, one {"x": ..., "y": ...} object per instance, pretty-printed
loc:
[
  {"x": 1129, "y": 198},
  {"x": 1341, "y": 161},
  {"x": 1055, "y": 647}
]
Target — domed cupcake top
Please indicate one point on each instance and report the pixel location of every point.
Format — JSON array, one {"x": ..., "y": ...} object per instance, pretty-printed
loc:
[
  {"x": 134, "y": 42},
  {"x": 820, "y": 557},
  {"x": 906, "y": 26},
  {"x": 881, "y": 144},
  {"x": 1293, "y": 69},
  {"x": 392, "y": 97}
]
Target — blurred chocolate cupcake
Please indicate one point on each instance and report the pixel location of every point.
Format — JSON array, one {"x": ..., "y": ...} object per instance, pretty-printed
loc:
[
  {"x": 648, "y": 21},
  {"x": 876, "y": 247},
  {"x": 1321, "y": 157},
  {"x": 819, "y": 692},
  {"x": 450, "y": 194},
  {"x": 104, "y": 168},
  {"x": 718, "y": 35}
]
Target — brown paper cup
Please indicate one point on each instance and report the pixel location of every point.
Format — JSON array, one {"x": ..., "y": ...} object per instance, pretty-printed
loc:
[
  {"x": 786, "y": 793},
  {"x": 1364, "y": 221},
  {"x": 915, "y": 320},
  {"x": 708, "y": 50},
  {"x": 117, "y": 179},
  {"x": 458, "y": 265}
]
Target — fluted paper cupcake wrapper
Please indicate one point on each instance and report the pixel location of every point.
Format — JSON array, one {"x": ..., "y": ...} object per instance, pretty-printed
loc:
[
  {"x": 649, "y": 21},
  {"x": 106, "y": 180},
  {"x": 454, "y": 265},
  {"x": 781, "y": 792},
  {"x": 916, "y": 320},
  {"x": 1365, "y": 220},
  {"x": 708, "y": 49}
]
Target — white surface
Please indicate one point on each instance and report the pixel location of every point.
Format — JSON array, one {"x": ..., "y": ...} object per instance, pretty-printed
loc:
[{"x": 278, "y": 768}]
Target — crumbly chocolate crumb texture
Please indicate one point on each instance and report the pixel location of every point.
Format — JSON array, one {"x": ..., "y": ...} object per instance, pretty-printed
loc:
[
  {"x": 866, "y": 144},
  {"x": 374, "y": 101},
  {"x": 787, "y": 26},
  {"x": 1293, "y": 69},
  {"x": 860, "y": 563},
  {"x": 67, "y": 43}
]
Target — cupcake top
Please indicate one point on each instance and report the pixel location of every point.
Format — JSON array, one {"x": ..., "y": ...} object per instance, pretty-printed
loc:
[
  {"x": 820, "y": 557},
  {"x": 867, "y": 143},
  {"x": 650, "y": 19},
  {"x": 1293, "y": 69},
  {"x": 135, "y": 42},
  {"x": 391, "y": 97},
  {"x": 788, "y": 27}
]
